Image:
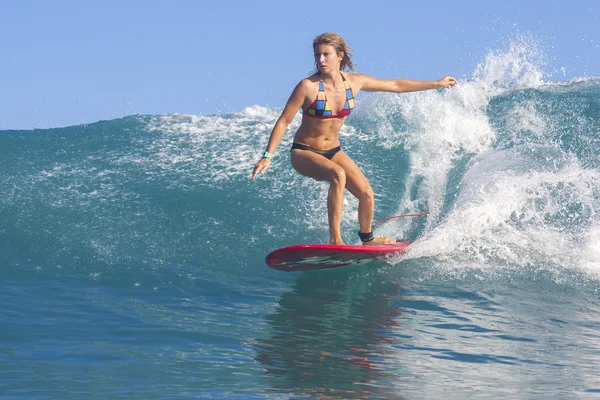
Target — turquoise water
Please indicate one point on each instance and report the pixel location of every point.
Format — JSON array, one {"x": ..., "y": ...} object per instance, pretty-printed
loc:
[{"x": 132, "y": 252}]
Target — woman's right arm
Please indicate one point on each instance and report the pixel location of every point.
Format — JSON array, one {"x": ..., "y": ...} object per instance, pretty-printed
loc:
[{"x": 292, "y": 106}]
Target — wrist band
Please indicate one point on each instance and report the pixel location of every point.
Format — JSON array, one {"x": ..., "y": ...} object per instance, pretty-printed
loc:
[{"x": 267, "y": 155}]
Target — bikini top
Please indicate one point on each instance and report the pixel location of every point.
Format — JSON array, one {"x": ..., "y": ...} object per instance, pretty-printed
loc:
[{"x": 320, "y": 108}]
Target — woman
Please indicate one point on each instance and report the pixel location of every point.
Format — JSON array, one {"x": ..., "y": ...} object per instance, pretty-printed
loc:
[{"x": 326, "y": 98}]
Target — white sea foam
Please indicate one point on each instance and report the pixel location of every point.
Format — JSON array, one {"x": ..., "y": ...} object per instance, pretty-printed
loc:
[
  {"x": 519, "y": 66},
  {"x": 589, "y": 255},
  {"x": 523, "y": 206},
  {"x": 511, "y": 210},
  {"x": 525, "y": 117},
  {"x": 210, "y": 149}
]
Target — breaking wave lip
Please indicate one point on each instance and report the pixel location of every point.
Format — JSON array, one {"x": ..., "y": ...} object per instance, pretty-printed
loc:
[{"x": 575, "y": 82}]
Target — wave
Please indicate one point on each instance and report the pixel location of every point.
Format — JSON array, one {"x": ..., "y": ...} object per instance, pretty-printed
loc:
[{"x": 506, "y": 164}]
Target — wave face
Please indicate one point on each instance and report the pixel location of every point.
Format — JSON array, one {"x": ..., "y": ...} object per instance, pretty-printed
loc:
[{"x": 131, "y": 250}]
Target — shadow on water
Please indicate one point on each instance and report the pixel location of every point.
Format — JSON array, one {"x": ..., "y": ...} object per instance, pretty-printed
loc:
[{"x": 329, "y": 335}]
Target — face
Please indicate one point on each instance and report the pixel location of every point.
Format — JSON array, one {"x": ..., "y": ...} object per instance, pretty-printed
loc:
[{"x": 326, "y": 58}]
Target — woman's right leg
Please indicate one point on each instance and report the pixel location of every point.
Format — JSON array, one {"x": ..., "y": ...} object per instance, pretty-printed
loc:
[{"x": 320, "y": 168}]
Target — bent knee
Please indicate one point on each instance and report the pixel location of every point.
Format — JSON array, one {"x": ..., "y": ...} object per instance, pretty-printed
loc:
[
  {"x": 338, "y": 175},
  {"x": 365, "y": 193}
]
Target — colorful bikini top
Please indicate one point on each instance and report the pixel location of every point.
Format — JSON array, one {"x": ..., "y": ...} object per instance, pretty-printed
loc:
[{"x": 320, "y": 108}]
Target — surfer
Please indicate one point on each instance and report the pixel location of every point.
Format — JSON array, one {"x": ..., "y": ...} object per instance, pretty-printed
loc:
[{"x": 326, "y": 98}]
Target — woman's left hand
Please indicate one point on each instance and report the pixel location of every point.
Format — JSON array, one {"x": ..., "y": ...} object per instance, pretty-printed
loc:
[{"x": 446, "y": 82}]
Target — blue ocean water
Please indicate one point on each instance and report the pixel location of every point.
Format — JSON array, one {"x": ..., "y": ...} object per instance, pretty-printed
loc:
[{"x": 132, "y": 252}]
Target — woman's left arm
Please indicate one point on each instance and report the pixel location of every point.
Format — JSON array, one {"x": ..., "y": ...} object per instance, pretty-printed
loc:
[{"x": 369, "y": 84}]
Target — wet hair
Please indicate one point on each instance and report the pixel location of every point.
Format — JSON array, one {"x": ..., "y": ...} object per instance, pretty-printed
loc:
[{"x": 340, "y": 46}]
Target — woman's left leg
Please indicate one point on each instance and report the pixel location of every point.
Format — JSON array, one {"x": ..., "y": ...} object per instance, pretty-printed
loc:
[{"x": 359, "y": 186}]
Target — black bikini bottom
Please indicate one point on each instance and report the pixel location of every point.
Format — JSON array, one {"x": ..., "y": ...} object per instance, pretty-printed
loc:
[{"x": 328, "y": 154}]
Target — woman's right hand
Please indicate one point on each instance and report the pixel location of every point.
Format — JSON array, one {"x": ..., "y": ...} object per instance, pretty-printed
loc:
[{"x": 261, "y": 166}]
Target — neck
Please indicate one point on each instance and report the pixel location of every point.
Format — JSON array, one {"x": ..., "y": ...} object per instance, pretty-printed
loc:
[{"x": 332, "y": 76}]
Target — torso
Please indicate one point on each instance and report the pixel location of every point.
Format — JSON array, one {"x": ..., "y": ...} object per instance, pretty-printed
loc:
[{"x": 318, "y": 133}]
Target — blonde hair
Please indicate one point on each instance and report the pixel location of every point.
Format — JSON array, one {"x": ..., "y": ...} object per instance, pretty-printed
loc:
[{"x": 340, "y": 46}]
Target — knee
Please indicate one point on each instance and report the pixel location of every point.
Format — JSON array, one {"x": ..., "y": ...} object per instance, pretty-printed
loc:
[
  {"x": 366, "y": 194},
  {"x": 338, "y": 176}
]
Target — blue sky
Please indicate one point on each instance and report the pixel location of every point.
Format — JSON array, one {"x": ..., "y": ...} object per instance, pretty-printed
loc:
[{"x": 72, "y": 62}]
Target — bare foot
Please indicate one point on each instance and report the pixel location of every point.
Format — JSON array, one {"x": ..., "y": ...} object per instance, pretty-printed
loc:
[
  {"x": 336, "y": 241},
  {"x": 380, "y": 240}
]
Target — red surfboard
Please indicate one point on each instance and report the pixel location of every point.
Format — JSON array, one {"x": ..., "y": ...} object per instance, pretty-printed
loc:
[{"x": 306, "y": 257}]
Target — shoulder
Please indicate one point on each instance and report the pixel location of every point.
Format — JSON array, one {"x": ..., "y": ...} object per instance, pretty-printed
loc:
[
  {"x": 356, "y": 77},
  {"x": 356, "y": 80},
  {"x": 310, "y": 81},
  {"x": 306, "y": 85},
  {"x": 370, "y": 84}
]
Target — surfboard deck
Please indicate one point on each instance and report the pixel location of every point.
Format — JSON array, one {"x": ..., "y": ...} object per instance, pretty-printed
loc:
[{"x": 304, "y": 257}]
